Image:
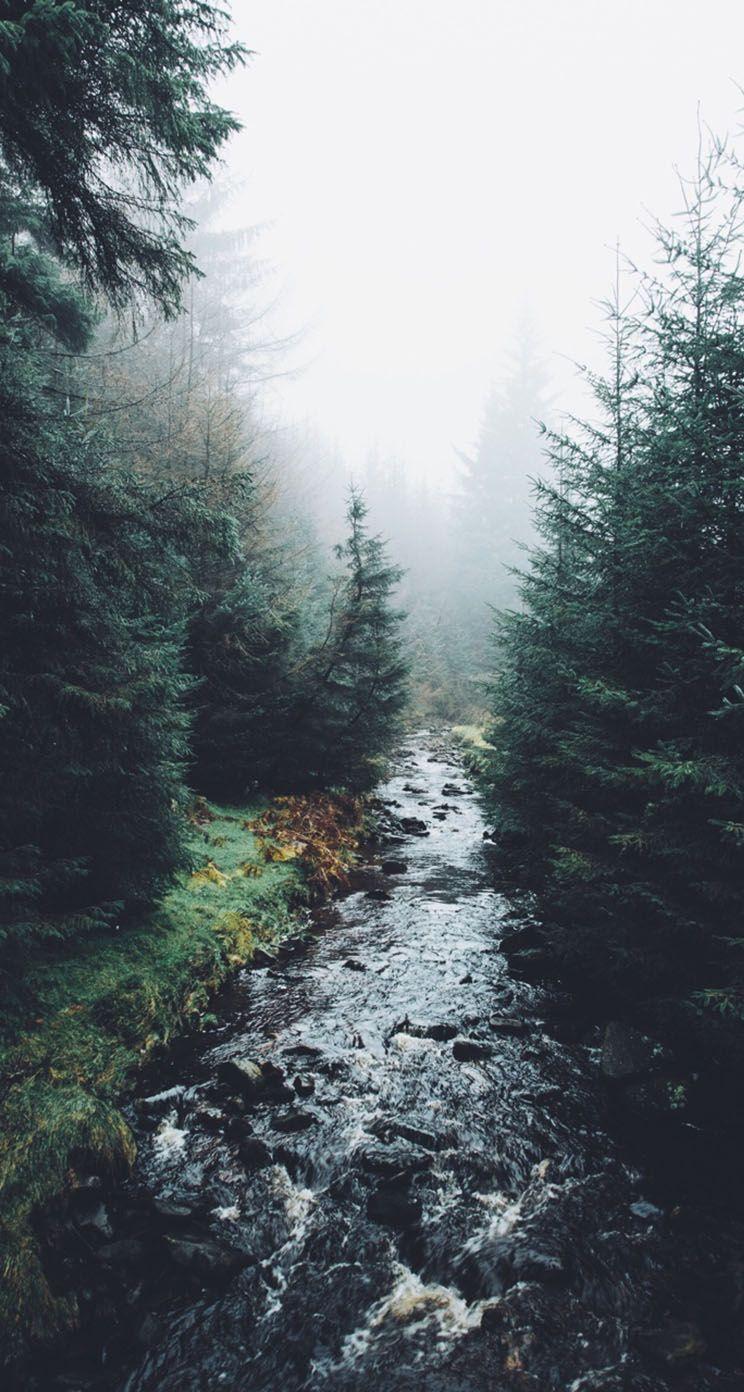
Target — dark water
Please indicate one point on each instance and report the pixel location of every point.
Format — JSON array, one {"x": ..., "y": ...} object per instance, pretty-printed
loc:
[{"x": 421, "y": 1220}]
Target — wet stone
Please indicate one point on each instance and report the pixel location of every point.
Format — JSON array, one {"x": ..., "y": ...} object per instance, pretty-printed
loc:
[
  {"x": 256, "y": 1082},
  {"x": 353, "y": 964},
  {"x": 470, "y": 1050},
  {"x": 172, "y": 1212},
  {"x": 414, "y": 826},
  {"x": 504, "y": 1024},
  {"x": 304, "y": 1085},
  {"x": 304, "y": 1051},
  {"x": 394, "y": 867},
  {"x": 396, "y": 1159},
  {"x": 441, "y": 1030},
  {"x": 294, "y": 1120},
  {"x": 204, "y": 1257},
  {"x": 254, "y": 1153},
  {"x": 393, "y": 1208},
  {"x": 418, "y": 1135}
]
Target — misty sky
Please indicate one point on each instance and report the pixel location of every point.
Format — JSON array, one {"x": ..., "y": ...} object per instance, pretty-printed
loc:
[{"x": 431, "y": 170}]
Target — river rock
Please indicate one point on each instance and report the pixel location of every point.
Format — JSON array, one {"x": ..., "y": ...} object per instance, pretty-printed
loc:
[
  {"x": 254, "y": 1153},
  {"x": 452, "y": 790},
  {"x": 626, "y": 1053},
  {"x": 394, "y": 867},
  {"x": 440, "y": 1030},
  {"x": 294, "y": 1119},
  {"x": 393, "y": 1160},
  {"x": 205, "y": 1257},
  {"x": 304, "y": 1085},
  {"x": 504, "y": 1024},
  {"x": 173, "y": 1212},
  {"x": 408, "y": 1131},
  {"x": 353, "y": 964},
  {"x": 209, "y": 1118},
  {"x": 394, "y": 1209},
  {"x": 310, "y": 1051},
  {"x": 414, "y": 826},
  {"x": 470, "y": 1050},
  {"x": 256, "y": 1082}
]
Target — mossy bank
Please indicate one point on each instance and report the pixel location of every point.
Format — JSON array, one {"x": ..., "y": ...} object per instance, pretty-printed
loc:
[{"x": 90, "y": 1017}]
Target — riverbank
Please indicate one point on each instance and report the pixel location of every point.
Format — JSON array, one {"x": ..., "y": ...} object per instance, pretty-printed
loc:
[{"x": 94, "y": 1014}]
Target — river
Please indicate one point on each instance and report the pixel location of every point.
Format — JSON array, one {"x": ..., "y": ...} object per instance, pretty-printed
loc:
[{"x": 381, "y": 1171}]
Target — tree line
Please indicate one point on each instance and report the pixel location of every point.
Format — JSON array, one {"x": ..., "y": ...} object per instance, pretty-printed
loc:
[{"x": 163, "y": 633}]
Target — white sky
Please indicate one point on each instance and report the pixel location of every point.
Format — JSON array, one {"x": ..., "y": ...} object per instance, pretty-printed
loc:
[{"x": 429, "y": 169}]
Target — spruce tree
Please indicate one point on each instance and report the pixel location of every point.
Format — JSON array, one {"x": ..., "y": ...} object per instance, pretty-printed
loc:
[
  {"x": 92, "y": 734},
  {"x": 619, "y": 772},
  {"x": 104, "y": 117},
  {"x": 353, "y": 693}
]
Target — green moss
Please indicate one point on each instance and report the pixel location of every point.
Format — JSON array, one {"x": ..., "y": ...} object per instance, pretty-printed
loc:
[{"x": 97, "y": 1011}]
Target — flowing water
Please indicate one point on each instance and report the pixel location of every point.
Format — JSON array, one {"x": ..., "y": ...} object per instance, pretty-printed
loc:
[{"x": 418, "y": 1194}]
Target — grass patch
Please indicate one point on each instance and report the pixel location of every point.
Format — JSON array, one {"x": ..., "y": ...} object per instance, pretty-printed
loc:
[
  {"x": 97, "y": 1010},
  {"x": 476, "y": 749}
]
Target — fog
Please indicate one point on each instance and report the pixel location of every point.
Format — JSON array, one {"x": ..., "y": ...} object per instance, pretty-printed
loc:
[{"x": 429, "y": 173}]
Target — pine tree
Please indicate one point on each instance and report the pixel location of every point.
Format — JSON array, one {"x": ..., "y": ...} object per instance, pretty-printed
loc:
[
  {"x": 92, "y": 735},
  {"x": 619, "y": 770},
  {"x": 348, "y": 712},
  {"x": 104, "y": 117}
]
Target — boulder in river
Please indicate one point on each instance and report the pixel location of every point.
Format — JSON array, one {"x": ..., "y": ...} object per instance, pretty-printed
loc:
[
  {"x": 626, "y": 1053},
  {"x": 441, "y": 1030},
  {"x": 254, "y": 1153},
  {"x": 452, "y": 790},
  {"x": 506, "y": 1024},
  {"x": 173, "y": 1213},
  {"x": 213, "y": 1261},
  {"x": 393, "y": 1208},
  {"x": 256, "y": 1082},
  {"x": 304, "y": 1085},
  {"x": 353, "y": 964},
  {"x": 294, "y": 1119},
  {"x": 418, "y": 1135},
  {"x": 471, "y": 1050},
  {"x": 394, "y": 867},
  {"x": 398, "y": 1159},
  {"x": 414, "y": 826}
]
